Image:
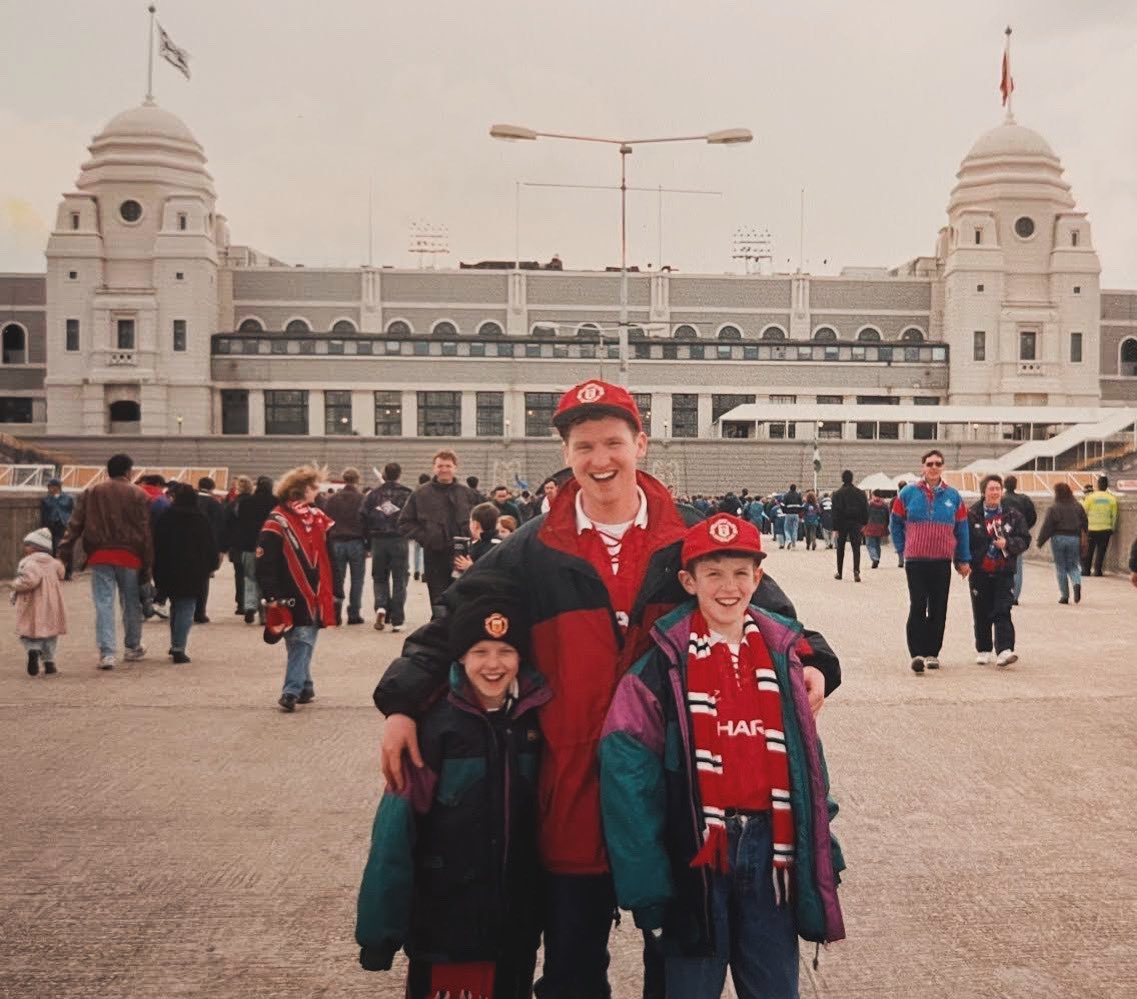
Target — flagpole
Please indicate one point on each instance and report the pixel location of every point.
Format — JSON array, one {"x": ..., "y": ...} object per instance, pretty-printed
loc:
[
  {"x": 1011, "y": 90},
  {"x": 150, "y": 61}
]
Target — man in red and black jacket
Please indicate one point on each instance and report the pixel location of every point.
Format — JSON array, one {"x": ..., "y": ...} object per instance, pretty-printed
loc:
[{"x": 596, "y": 571}]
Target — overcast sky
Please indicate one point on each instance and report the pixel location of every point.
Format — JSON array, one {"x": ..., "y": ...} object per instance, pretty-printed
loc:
[{"x": 869, "y": 106}]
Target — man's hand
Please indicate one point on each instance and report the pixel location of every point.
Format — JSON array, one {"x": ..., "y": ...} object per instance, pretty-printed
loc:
[
  {"x": 462, "y": 563},
  {"x": 399, "y": 734},
  {"x": 964, "y": 569},
  {"x": 814, "y": 688},
  {"x": 1001, "y": 543}
]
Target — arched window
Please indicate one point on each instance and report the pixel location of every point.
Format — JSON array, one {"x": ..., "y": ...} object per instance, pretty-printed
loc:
[
  {"x": 685, "y": 332},
  {"x": 125, "y": 411},
  {"x": 636, "y": 333},
  {"x": 912, "y": 335},
  {"x": 344, "y": 326},
  {"x": 825, "y": 334},
  {"x": 773, "y": 333},
  {"x": 491, "y": 329},
  {"x": 1128, "y": 364},
  {"x": 298, "y": 326},
  {"x": 444, "y": 328},
  {"x": 543, "y": 331},
  {"x": 730, "y": 333},
  {"x": 15, "y": 344},
  {"x": 868, "y": 333},
  {"x": 585, "y": 329},
  {"x": 251, "y": 326},
  {"x": 399, "y": 327}
]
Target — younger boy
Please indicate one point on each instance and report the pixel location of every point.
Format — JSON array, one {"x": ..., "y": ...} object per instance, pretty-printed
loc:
[
  {"x": 37, "y": 593},
  {"x": 713, "y": 784},
  {"x": 453, "y": 871}
]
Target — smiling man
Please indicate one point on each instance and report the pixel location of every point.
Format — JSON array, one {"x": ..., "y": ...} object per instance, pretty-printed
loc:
[{"x": 597, "y": 571}]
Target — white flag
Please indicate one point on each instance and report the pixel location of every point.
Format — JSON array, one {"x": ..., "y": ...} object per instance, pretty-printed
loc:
[{"x": 176, "y": 57}]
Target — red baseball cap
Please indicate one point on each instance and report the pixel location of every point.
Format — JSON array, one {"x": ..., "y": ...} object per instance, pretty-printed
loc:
[
  {"x": 600, "y": 399},
  {"x": 721, "y": 534}
]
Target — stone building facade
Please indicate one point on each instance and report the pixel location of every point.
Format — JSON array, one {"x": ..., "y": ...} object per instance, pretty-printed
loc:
[{"x": 149, "y": 321}]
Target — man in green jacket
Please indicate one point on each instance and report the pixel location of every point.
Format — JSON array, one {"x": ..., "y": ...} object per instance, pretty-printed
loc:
[{"x": 1101, "y": 511}]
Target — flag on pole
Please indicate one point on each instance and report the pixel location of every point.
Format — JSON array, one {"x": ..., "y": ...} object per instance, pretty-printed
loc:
[
  {"x": 1007, "y": 82},
  {"x": 175, "y": 56}
]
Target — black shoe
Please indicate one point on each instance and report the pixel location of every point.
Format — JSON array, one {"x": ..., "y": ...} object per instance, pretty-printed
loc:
[
  {"x": 250, "y": 616},
  {"x": 33, "y": 662},
  {"x": 836, "y": 575},
  {"x": 179, "y": 658},
  {"x": 239, "y": 611},
  {"x": 1063, "y": 600},
  {"x": 307, "y": 696},
  {"x": 287, "y": 702},
  {"x": 1077, "y": 593},
  {"x": 856, "y": 577},
  {"x": 900, "y": 563},
  {"x": 917, "y": 664},
  {"x": 876, "y": 563},
  {"x": 49, "y": 669},
  {"x": 418, "y": 576},
  {"x": 201, "y": 620},
  {"x": 354, "y": 620}
]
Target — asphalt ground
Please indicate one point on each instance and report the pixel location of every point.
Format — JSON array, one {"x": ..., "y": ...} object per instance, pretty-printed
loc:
[{"x": 166, "y": 831}]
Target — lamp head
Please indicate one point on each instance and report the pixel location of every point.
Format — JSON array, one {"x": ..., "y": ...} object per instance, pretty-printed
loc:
[
  {"x": 512, "y": 133},
  {"x": 730, "y": 137}
]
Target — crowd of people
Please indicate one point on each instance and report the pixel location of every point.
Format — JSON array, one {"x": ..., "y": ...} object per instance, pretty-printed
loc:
[{"x": 612, "y": 704}]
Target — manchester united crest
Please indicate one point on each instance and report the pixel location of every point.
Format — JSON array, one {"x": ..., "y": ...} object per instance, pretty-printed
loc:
[
  {"x": 497, "y": 625},
  {"x": 590, "y": 392},
  {"x": 723, "y": 531}
]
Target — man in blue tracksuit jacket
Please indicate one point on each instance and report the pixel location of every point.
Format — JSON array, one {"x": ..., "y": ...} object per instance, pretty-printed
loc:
[{"x": 929, "y": 530}]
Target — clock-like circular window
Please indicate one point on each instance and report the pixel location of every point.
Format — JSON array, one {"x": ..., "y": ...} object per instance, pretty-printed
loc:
[
  {"x": 130, "y": 210},
  {"x": 1024, "y": 227}
]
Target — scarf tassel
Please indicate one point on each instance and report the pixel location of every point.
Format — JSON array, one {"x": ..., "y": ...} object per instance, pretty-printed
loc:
[
  {"x": 715, "y": 852},
  {"x": 781, "y": 877}
]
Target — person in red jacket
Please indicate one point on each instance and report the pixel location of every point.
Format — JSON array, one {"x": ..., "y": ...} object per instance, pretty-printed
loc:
[{"x": 597, "y": 571}]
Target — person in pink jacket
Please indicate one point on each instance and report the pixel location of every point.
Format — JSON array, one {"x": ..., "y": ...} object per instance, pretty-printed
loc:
[{"x": 37, "y": 593}]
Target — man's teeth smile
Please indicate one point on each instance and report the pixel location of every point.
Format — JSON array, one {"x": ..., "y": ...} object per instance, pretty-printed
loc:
[{"x": 604, "y": 476}]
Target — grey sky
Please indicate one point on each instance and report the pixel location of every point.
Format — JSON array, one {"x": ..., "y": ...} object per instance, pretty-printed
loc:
[{"x": 870, "y": 106}]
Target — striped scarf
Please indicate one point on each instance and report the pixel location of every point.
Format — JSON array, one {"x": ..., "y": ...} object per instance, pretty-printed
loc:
[{"x": 705, "y": 663}]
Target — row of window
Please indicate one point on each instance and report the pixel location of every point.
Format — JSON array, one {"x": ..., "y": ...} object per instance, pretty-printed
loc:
[
  {"x": 644, "y": 350},
  {"x": 1029, "y": 348},
  {"x": 543, "y": 330}
]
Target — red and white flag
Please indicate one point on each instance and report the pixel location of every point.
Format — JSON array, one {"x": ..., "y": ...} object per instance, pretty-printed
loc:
[{"x": 1007, "y": 82}]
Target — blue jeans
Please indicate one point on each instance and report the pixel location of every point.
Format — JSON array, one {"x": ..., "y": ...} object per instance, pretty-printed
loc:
[
  {"x": 1017, "y": 586},
  {"x": 300, "y": 643},
  {"x": 792, "y": 521},
  {"x": 389, "y": 555},
  {"x": 344, "y": 554},
  {"x": 105, "y": 580},
  {"x": 44, "y": 646},
  {"x": 873, "y": 547},
  {"x": 753, "y": 936},
  {"x": 181, "y": 617},
  {"x": 1067, "y": 552}
]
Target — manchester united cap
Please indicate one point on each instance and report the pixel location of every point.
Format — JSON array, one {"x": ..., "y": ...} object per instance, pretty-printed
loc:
[
  {"x": 721, "y": 534},
  {"x": 597, "y": 398}
]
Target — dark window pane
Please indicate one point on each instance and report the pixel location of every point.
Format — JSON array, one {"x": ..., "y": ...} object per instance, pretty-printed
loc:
[
  {"x": 539, "y": 409},
  {"x": 439, "y": 414},
  {"x": 643, "y": 403},
  {"x": 724, "y": 403},
  {"x": 1076, "y": 348},
  {"x": 286, "y": 411},
  {"x": 72, "y": 334},
  {"x": 685, "y": 415},
  {"x": 14, "y": 409},
  {"x": 490, "y": 414},
  {"x": 179, "y": 334},
  {"x": 234, "y": 411},
  {"x": 388, "y": 414},
  {"x": 125, "y": 330},
  {"x": 337, "y": 412}
]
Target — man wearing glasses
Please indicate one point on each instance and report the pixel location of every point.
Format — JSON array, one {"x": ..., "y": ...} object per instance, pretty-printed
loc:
[{"x": 929, "y": 529}]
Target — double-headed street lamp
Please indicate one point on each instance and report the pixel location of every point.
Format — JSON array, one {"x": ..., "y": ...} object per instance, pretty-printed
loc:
[{"x": 723, "y": 137}]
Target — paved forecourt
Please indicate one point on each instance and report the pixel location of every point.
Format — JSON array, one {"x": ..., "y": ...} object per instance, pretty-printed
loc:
[{"x": 169, "y": 832}]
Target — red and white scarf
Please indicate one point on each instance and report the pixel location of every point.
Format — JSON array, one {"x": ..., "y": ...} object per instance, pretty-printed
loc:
[
  {"x": 304, "y": 530},
  {"x": 705, "y": 663}
]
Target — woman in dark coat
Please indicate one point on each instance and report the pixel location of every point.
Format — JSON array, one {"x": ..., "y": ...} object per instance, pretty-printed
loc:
[{"x": 185, "y": 554}]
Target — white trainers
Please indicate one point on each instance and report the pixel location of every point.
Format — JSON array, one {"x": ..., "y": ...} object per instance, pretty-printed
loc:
[
  {"x": 107, "y": 662},
  {"x": 983, "y": 659},
  {"x": 931, "y": 662},
  {"x": 1006, "y": 657},
  {"x": 133, "y": 655},
  {"x": 396, "y": 627}
]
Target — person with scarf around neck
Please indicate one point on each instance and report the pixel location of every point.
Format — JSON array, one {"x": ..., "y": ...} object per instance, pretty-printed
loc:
[
  {"x": 294, "y": 576},
  {"x": 713, "y": 785},
  {"x": 999, "y": 536}
]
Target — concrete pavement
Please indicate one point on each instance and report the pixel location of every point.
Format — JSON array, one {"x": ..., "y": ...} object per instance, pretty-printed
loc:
[{"x": 168, "y": 832}]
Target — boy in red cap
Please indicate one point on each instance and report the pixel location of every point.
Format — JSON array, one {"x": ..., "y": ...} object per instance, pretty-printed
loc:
[
  {"x": 596, "y": 572},
  {"x": 713, "y": 785}
]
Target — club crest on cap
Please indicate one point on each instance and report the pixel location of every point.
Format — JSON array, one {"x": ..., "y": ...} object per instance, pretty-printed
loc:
[
  {"x": 497, "y": 625},
  {"x": 590, "y": 393},
  {"x": 723, "y": 531}
]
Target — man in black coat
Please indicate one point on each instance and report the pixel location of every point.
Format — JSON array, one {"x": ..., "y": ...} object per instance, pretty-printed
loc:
[
  {"x": 214, "y": 512},
  {"x": 1025, "y": 505},
  {"x": 850, "y": 514}
]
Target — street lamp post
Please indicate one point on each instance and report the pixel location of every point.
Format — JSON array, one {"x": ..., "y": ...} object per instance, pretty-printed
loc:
[{"x": 723, "y": 137}]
